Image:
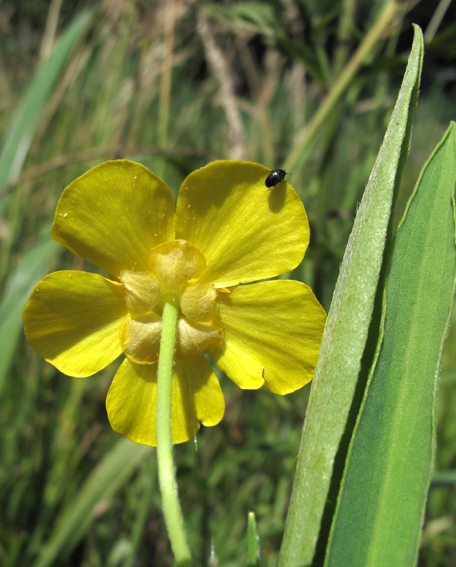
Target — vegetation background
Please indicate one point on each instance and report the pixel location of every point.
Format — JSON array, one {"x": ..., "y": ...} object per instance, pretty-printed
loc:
[{"x": 299, "y": 84}]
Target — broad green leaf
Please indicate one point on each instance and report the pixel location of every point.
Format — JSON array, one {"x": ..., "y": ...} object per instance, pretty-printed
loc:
[
  {"x": 18, "y": 136},
  {"x": 109, "y": 476},
  {"x": 346, "y": 331},
  {"x": 388, "y": 471},
  {"x": 17, "y": 290}
]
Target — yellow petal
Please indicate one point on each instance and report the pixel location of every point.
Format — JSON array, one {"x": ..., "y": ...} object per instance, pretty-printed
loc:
[
  {"x": 113, "y": 216},
  {"x": 273, "y": 332},
  {"x": 245, "y": 231},
  {"x": 205, "y": 388},
  {"x": 72, "y": 319},
  {"x": 132, "y": 400}
]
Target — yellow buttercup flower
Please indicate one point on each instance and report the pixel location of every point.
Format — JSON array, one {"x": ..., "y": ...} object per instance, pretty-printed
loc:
[{"x": 227, "y": 229}]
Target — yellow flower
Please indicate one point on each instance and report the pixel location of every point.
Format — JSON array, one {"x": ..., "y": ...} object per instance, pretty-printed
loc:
[{"x": 228, "y": 229}]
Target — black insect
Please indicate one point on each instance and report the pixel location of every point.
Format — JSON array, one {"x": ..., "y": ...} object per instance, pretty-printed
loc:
[{"x": 275, "y": 177}]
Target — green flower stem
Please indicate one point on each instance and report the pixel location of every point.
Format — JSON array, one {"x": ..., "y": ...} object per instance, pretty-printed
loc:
[{"x": 166, "y": 472}]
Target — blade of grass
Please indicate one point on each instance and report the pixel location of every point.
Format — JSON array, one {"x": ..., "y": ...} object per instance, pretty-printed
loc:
[
  {"x": 344, "y": 31},
  {"x": 297, "y": 158},
  {"x": 258, "y": 17},
  {"x": 21, "y": 129},
  {"x": 108, "y": 477},
  {"x": 383, "y": 494},
  {"x": 18, "y": 136},
  {"x": 253, "y": 542},
  {"x": 17, "y": 290},
  {"x": 346, "y": 331}
]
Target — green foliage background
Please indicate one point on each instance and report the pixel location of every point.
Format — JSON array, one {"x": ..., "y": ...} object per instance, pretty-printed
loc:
[{"x": 175, "y": 85}]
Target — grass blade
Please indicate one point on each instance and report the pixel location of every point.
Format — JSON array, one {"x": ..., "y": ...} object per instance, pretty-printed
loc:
[
  {"x": 17, "y": 290},
  {"x": 253, "y": 542},
  {"x": 16, "y": 143},
  {"x": 19, "y": 135},
  {"x": 106, "y": 479}
]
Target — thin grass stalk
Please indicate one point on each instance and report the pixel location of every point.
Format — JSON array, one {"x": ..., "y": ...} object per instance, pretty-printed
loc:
[
  {"x": 299, "y": 154},
  {"x": 344, "y": 30},
  {"x": 436, "y": 20},
  {"x": 50, "y": 30},
  {"x": 169, "y": 17}
]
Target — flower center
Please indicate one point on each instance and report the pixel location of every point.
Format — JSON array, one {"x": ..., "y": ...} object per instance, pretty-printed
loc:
[{"x": 175, "y": 268}]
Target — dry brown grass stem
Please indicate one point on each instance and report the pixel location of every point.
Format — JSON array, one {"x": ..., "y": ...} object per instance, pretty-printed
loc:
[
  {"x": 51, "y": 27},
  {"x": 222, "y": 72}
]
